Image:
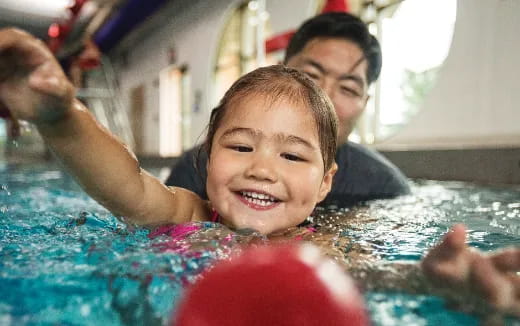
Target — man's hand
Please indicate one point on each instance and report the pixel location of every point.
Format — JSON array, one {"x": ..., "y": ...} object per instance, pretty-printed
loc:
[
  {"x": 493, "y": 277},
  {"x": 33, "y": 86}
]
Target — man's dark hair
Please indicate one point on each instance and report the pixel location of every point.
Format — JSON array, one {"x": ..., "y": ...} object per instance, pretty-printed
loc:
[{"x": 343, "y": 26}]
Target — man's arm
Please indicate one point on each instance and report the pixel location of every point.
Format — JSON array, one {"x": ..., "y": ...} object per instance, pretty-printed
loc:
[
  {"x": 396, "y": 184},
  {"x": 190, "y": 172},
  {"x": 363, "y": 174}
]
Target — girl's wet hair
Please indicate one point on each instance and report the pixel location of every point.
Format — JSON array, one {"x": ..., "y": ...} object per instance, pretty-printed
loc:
[{"x": 281, "y": 83}]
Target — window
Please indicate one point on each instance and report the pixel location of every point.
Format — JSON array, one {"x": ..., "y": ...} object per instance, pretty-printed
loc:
[
  {"x": 174, "y": 111},
  {"x": 415, "y": 37},
  {"x": 241, "y": 48}
]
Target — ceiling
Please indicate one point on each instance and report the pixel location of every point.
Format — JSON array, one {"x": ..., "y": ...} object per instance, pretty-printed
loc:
[{"x": 37, "y": 16}]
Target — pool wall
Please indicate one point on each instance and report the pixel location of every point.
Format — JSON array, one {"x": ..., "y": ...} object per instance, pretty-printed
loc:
[{"x": 488, "y": 165}]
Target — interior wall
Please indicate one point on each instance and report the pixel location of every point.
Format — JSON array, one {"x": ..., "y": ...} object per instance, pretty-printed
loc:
[
  {"x": 289, "y": 14},
  {"x": 140, "y": 62},
  {"x": 482, "y": 165},
  {"x": 475, "y": 103},
  {"x": 192, "y": 31}
]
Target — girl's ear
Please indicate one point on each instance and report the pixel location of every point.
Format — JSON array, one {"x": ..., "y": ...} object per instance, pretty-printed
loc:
[{"x": 326, "y": 184}]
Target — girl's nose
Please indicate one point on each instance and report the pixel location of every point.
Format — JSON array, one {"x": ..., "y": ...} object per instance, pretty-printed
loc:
[{"x": 262, "y": 168}]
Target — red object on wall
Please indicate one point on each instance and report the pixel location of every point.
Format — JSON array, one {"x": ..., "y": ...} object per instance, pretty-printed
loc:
[
  {"x": 287, "y": 285},
  {"x": 278, "y": 42},
  {"x": 54, "y": 30},
  {"x": 58, "y": 32},
  {"x": 90, "y": 57},
  {"x": 76, "y": 7},
  {"x": 335, "y": 5}
]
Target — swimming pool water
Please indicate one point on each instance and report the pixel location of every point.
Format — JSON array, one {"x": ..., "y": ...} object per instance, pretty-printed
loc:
[{"x": 64, "y": 260}]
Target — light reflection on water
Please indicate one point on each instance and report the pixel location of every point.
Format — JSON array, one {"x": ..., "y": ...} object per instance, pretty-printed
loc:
[
  {"x": 65, "y": 260},
  {"x": 408, "y": 225}
]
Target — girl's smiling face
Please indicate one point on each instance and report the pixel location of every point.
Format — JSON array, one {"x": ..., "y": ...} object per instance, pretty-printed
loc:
[{"x": 266, "y": 169}]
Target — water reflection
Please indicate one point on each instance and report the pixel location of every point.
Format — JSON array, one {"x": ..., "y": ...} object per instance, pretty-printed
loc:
[{"x": 65, "y": 260}]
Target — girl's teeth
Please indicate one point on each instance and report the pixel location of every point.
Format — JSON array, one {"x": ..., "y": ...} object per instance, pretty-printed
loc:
[
  {"x": 260, "y": 202},
  {"x": 258, "y": 199},
  {"x": 255, "y": 195}
]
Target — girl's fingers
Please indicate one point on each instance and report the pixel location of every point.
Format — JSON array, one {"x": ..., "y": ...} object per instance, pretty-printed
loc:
[
  {"x": 32, "y": 84},
  {"x": 452, "y": 241},
  {"x": 507, "y": 260},
  {"x": 20, "y": 54},
  {"x": 496, "y": 288},
  {"x": 49, "y": 79},
  {"x": 515, "y": 281},
  {"x": 19, "y": 44},
  {"x": 457, "y": 236},
  {"x": 451, "y": 246},
  {"x": 448, "y": 264}
]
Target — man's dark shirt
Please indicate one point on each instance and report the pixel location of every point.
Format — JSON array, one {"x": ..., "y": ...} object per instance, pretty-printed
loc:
[{"x": 363, "y": 174}]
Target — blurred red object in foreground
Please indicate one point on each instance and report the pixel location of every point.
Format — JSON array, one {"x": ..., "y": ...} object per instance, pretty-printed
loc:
[{"x": 273, "y": 285}]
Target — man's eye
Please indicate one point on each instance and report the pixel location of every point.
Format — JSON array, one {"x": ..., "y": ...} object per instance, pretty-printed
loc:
[
  {"x": 312, "y": 75},
  {"x": 292, "y": 157},
  {"x": 349, "y": 91},
  {"x": 241, "y": 148}
]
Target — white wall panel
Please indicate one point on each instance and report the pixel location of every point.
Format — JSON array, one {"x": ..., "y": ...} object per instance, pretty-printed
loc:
[{"x": 476, "y": 101}]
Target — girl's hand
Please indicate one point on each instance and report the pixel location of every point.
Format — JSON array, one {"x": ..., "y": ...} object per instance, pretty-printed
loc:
[
  {"x": 493, "y": 277},
  {"x": 33, "y": 86}
]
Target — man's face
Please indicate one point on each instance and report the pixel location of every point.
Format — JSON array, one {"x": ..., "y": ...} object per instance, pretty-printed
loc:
[{"x": 339, "y": 68}]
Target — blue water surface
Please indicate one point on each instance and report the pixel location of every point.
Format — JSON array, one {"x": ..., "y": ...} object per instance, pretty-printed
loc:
[{"x": 65, "y": 260}]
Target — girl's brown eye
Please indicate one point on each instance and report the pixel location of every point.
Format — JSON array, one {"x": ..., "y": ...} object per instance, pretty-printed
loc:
[
  {"x": 242, "y": 149},
  {"x": 292, "y": 157}
]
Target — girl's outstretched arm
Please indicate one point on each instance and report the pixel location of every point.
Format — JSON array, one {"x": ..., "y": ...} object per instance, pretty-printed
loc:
[
  {"x": 493, "y": 278},
  {"x": 484, "y": 284},
  {"x": 34, "y": 88}
]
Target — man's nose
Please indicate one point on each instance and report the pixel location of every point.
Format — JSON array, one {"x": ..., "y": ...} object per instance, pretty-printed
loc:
[{"x": 262, "y": 168}]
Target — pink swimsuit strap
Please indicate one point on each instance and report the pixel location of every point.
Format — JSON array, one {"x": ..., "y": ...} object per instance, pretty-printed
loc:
[
  {"x": 311, "y": 229},
  {"x": 308, "y": 229},
  {"x": 214, "y": 216}
]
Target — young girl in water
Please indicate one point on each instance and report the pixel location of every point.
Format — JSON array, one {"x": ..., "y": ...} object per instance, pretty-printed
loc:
[{"x": 271, "y": 145}]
